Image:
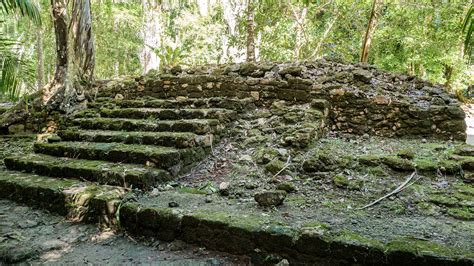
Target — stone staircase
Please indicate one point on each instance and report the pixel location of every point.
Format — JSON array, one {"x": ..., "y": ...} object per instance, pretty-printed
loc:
[{"x": 114, "y": 146}]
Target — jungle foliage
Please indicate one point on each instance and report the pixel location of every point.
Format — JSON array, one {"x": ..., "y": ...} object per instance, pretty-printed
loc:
[{"x": 429, "y": 39}]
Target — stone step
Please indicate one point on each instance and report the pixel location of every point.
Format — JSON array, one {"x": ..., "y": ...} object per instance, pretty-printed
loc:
[
  {"x": 79, "y": 201},
  {"x": 214, "y": 102},
  {"x": 170, "y": 159},
  {"x": 169, "y": 114},
  {"x": 169, "y": 139},
  {"x": 198, "y": 126},
  {"x": 117, "y": 174},
  {"x": 242, "y": 231}
]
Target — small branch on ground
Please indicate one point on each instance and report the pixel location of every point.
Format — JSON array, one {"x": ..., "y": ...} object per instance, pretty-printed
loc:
[
  {"x": 284, "y": 167},
  {"x": 400, "y": 188}
]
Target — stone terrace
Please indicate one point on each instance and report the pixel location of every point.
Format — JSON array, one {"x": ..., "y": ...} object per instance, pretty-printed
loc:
[{"x": 142, "y": 133}]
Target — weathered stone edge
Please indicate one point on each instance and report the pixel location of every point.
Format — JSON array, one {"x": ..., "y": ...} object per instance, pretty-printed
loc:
[
  {"x": 312, "y": 243},
  {"x": 56, "y": 168},
  {"x": 78, "y": 201}
]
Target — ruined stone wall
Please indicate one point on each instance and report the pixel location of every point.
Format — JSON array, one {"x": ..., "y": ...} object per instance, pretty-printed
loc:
[{"x": 361, "y": 99}]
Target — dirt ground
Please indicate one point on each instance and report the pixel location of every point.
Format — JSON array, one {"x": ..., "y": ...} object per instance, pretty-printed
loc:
[{"x": 36, "y": 237}]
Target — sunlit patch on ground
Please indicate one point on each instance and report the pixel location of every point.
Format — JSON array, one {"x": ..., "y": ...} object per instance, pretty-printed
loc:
[{"x": 469, "y": 110}]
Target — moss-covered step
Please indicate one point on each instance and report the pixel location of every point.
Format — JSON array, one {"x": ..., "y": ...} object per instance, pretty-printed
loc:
[
  {"x": 170, "y": 139},
  {"x": 169, "y": 114},
  {"x": 79, "y": 201},
  {"x": 168, "y": 158},
  {"x": 198, "y": 126},
  {"x": 253, "y": 235},
  {"x": 213, "y": 102},
  {"x": 126, "y": 175}
]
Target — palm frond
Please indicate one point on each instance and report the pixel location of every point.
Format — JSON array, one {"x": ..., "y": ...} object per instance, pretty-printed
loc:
[
  {"x": 25, "y": 7},
  {"x": 16, "y": 72}
]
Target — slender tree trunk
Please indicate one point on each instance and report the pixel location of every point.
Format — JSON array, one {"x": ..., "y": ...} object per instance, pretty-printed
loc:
[
  {"x": 448, "y": 75},
  {"x": 39, "y": 53},
  {"x": 250, "y": 31},
  {"x": 231, "y": 12},
  {"x": 117, "y": 53},
  {"x": 328, "y": 29},
  {"x": 374, "y": 14},
  {"x": 300, "y": 18}
]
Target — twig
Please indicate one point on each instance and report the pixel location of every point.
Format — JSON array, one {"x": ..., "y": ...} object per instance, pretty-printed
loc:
[
  {"x": 212, "y": 148},
  {"x": 398, "y": 189},
  {"x": 284, "y": 167}
]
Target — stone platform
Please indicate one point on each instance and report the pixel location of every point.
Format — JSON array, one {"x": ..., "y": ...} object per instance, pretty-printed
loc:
[{"x": 181, "y": 154}]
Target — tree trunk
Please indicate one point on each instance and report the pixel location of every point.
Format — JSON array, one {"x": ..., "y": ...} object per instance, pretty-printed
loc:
[
  {"x": 448, "y": 75},
  {"x": 151, "y": 31},
  {"x": 59, "y": 10},
  {"x": 374, "y": 14},
  {"x": 84, "y": 54},
  {"x": 250, "y": 31},
  {"x": 300, "y": 17},
  {"x": 328, "y": 29},
  {"x": 39, "y": 53},
  {"x": 74, "y": 64}
]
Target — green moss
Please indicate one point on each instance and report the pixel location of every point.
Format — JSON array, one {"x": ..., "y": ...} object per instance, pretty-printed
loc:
[
  {"x": 117, "y": 152},
  {"x": 442, "y": 199},
  {"x": 286, "y": 186},
  {"x": 450, "y": 167},
  {"x": 54, "y": 138},
  {"x": 274, "y": 166},
  {"x": 175, "y": 139},
  {"x": 463, "y": 196},
  {"x": 198, "y": 126},
  {"x": 461, "y": 213},
  {"x": 419, "y": 247},
  {"x": 296, "y": 200},
  {"x": 427, "y": 208},
  {"x": 370, "y": 160},
  {"x": 192, "y": 190},
  {"x": 316, "y": 224},
  {"x": 377, "y": 171},
  {"x": 395, "y": 206},
  {"x": 248, "y": 223},
  {"x": 426, "y": 164},
  {"x": 464, "y": 188},
  {"x": 464, "y": 150},
  {"x": 398, "y": 164},
  {"x": 327, "y": 160},
  {"x": 353, "y": 238},
  {"x": 92, "y": 170},
  {"x": 340, "y": 181},
  {"x": 406, "y": 154}
]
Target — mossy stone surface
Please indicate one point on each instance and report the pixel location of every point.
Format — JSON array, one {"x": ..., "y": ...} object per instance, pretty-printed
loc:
[
  {"x": 173, "y": 139},
  {"x": 398, "y": 164},
  {"x": 97, "y": 171},
  {"x": 340, "y": 181},
  {"x": 198, "y": 126},
  {"x": 442, "y": 199},
  {"x": 462, "y": 213},
  {"x": 274, "y": 166}
]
